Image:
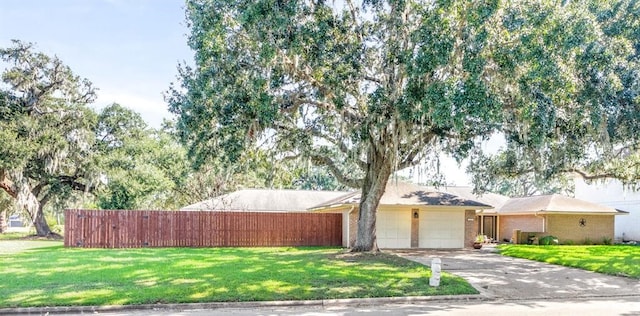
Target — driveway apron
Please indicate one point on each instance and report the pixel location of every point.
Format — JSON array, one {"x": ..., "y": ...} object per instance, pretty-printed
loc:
[{"x": 497, "y": 276}]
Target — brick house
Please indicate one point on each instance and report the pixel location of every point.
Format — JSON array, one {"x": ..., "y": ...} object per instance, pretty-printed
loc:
[
  {"x": 412, "y": 216},
  {"x": 571, "y": 220}
]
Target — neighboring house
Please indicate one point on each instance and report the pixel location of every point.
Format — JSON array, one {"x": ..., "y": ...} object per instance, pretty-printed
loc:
[
  {"x": 15, "y": 221},
  {"x": 612, "y": 193},
  {"x": 412, "y": 216},
  {"x": 265, "y": 200},
  {"x": 568, "y": 219}
]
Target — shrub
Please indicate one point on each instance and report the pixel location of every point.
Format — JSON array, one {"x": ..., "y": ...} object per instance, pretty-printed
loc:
[
  {"x": 568, "y": 242},
  {"x": 587, "y": 241},
  {"x": 606, "y": 241},
  {"x": 548, "y": 240}
]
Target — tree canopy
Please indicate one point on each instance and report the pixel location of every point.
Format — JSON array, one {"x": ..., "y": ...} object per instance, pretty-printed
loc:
[
  {"x": 45, "y": 130},
  {"x": 364, "y": 89}
]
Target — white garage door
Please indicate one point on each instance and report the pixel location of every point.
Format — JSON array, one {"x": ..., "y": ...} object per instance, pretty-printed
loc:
[
  {"x": 441, "y": 229},
  {"x": 394, "y": 229}
]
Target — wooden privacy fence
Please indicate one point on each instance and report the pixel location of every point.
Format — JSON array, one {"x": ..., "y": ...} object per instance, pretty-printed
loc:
[{"x": 134, "y": 229}]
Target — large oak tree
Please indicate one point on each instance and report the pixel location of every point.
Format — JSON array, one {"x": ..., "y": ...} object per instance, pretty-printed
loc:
[
  {"x": 45, "y": 130},
  {"x": 367, "y": 88}
]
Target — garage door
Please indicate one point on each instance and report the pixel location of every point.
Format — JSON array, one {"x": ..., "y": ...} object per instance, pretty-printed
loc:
[
  {"x": 441, "y": 229},
  {"x": 394, "y": 229}
]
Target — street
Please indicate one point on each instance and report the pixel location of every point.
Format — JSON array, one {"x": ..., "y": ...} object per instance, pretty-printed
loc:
[{"x": 584, "y": 307}]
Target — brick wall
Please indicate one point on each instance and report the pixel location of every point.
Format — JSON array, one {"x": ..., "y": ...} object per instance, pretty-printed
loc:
[
  {"x": 470, "y": 228},
  {"x": 525, "y": 223},
  {"x": 568, "y": 227}
]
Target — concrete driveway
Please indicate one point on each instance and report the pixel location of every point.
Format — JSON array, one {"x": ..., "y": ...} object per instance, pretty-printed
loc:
[{"x": 497, "y": 276}]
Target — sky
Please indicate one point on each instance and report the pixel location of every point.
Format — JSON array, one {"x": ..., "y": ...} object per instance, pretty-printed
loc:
[{"x": 129, "y": 49}]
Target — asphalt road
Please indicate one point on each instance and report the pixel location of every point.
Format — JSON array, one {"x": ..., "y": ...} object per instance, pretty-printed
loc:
[{"x": 626, "y": 306}]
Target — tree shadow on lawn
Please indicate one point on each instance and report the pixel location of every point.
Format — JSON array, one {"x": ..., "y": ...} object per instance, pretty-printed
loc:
[{"x": 72, "y": 276}]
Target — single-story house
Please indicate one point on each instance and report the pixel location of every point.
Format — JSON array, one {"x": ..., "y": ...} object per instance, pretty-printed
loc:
[
  {"x": 613, "y": 193},
  {"x": 570, "y": 220},
  {"x": 486, "y": 219},
  {"x": 412, "y": 216},
  {"x": 15, "y": 221},
  {"x": 265, "y": 200}
]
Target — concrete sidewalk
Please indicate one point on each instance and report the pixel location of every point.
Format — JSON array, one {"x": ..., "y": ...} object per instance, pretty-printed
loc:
[{"x": 500, "y": 277}]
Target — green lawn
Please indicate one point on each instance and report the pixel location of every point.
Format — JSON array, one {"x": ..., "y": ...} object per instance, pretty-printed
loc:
[
  {"x": 12, "y": 236},
  {"x": 58, "y": 276},
  {"x": 614, "y": 260}
]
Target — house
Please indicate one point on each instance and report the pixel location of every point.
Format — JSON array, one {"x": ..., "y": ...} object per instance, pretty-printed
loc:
[
  {"x": 265, "y": 200},
  {"x": 15, "y": 221},
  {"x": 611, "y": 192},
  {"x": 487, "y": 220},
  {"x": 570, "y": 220},
  {"x": 412, "y": 216}
]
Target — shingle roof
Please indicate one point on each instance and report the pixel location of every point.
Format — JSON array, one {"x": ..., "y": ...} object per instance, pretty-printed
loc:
[
  {"x": 264, "y": 200},
  {"x": 489, "y": 198},
  {"x": 554, "y": 203},
  {"x": 403, "y": 193}
]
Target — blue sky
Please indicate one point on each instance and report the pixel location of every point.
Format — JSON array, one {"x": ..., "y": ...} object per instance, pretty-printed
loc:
[{"x": 129, "y": 49}]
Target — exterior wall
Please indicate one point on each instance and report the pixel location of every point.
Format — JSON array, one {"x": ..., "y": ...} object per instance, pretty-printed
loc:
[
  {"x": 612, "y": 193},
  {"x": 353, "y": 226},
  {"x": 526, "y": 223},
  {"x": 470, "y": 228},
  {"x": 415, "y": 228},
  {"x": 567, "y": 227}
]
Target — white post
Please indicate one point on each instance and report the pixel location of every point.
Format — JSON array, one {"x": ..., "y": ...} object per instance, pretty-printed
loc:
[{"x": 434, "y": 280}]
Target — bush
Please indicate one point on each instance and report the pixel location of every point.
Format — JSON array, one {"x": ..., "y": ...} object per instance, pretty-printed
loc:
[
  {"x": 568, "y": 242},
  {"x": 548, "y": 240},
  {"x": 606, "y": 241},
  {"x": 587, "y": 241}
]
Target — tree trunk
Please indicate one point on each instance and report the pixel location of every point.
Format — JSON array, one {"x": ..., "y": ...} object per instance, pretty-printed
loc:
[
  {"x": 378, "y": 172},
  {"x": 3, "y": 221},
  {"x": 40, "y": 223}
]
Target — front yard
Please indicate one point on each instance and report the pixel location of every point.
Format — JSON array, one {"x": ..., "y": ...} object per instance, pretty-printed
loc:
[
  {"x": 55, "y": 276},
  {"x": 615, "y": 260}
]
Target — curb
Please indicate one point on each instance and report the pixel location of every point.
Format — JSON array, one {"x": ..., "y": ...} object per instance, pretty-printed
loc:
[{"x": 240, "y": 305}]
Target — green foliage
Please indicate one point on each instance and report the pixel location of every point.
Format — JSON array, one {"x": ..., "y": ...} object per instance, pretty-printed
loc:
[
  {"x": 364, "y": 91},
  {"x": 187, "y": 275},
  {"x": 568, "y": 242},
  {"x": 606, "y": 241},
  {"x": 578, "y": 93},
  {"x": 614, "y": 260},
  {"x": 140, "y": 166},
  {"x": 548, "y": 240},
  {"x": 46, "y": 139}
]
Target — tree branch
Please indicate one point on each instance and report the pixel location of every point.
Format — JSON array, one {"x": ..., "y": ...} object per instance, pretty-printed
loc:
[
  {"x": 78, "y": 186},
  {"x": 587, "y": 176},
  {"x": 333, "y": 168},
  {"x": 7, "y": 185}
]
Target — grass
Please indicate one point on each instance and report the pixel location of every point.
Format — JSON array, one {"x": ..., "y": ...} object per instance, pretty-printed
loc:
[
  {"x": 13, "y": 235},
  {"x": 56, "y": 276},
  {"x": 622, "y": 260}
]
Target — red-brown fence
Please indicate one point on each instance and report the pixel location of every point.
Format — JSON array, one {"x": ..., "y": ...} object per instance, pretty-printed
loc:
[{"x": 134, "y": 229}]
